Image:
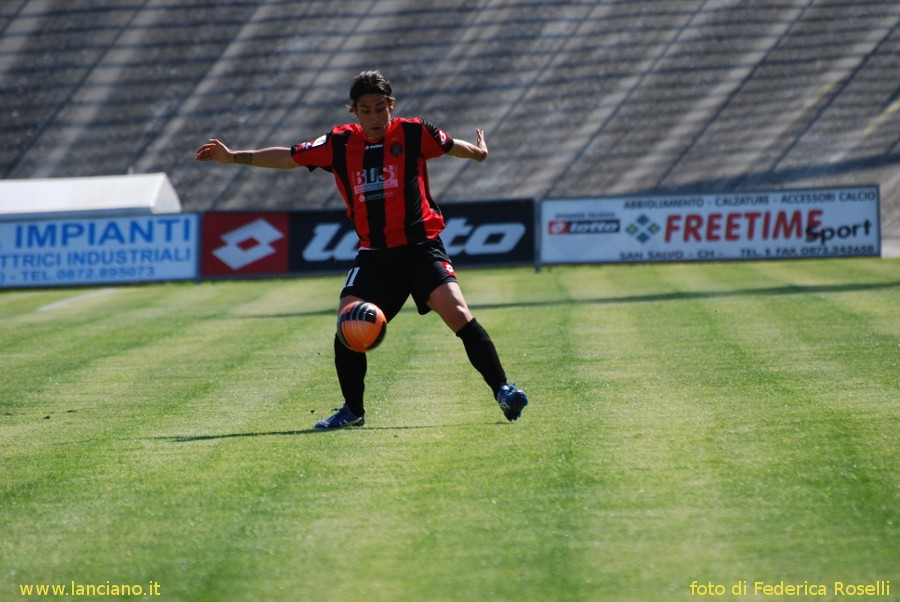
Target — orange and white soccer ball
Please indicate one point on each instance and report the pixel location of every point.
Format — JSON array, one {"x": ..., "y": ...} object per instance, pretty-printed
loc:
[{"x": 361, "y": 326}]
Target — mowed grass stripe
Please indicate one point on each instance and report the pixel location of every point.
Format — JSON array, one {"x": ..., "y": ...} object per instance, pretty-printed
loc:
[
  {"x": 658, "y": 489},
  {"x": 839, "y": 375},
  {"x": 790, "y": 343}
]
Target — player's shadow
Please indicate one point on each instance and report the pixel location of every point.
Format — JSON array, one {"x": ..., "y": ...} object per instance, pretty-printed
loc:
[
  {"x": 312, "y": 431},
  {"x": 195, "y": 438}
]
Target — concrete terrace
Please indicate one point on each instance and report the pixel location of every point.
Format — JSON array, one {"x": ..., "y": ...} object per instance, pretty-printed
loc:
[{"x": 576, "y": 97}]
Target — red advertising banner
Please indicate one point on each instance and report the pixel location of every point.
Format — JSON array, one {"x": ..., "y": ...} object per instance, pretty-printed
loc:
[{"x": 244, "y": 243}]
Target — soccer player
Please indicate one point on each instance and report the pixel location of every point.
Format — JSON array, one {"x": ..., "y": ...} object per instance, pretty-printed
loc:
[{"x": 379, "y": 166}]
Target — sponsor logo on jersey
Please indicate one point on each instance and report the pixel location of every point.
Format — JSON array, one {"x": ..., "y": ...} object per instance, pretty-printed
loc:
[
  {"x": 317, "y": 142},
  {"x": 376, "y": 179}
]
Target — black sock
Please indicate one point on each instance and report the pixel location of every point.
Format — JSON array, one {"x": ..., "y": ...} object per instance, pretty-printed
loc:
[
  {"x": 351, "y": 372},
  {"x": 483, "y": 354}
]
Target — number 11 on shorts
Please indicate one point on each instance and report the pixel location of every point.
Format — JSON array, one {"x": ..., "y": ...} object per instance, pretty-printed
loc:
[{"x": 351, "y": 277}]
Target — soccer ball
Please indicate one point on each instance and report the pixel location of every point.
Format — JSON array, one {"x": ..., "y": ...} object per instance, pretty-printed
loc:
[{"x": 361, "y": 326}]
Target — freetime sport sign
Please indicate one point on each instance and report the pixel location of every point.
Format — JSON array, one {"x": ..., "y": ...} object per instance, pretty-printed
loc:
[{"x": 832, "y": 222}]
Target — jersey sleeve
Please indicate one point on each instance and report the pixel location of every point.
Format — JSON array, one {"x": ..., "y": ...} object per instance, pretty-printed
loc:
[
  {"x": 435, "y": 141},
  {"x": 313, "y": 154}
]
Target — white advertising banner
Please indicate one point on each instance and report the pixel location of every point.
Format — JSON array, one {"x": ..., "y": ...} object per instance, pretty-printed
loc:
[
  {"x": 98, "y": 250},
  {"x": 822, "y": 222}
]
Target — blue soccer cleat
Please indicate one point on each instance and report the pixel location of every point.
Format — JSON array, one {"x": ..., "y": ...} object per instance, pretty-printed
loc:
[
  {"x": 512, "y": 401},
  {"x": 341, "y": 419}
]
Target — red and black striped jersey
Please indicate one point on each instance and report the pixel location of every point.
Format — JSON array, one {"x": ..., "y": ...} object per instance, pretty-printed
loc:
[{"x": 385, "y": 184}]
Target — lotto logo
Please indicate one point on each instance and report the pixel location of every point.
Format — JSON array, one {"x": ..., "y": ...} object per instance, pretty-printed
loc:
[
  {"x": 557, "y": 227},
  {"x": 248, "y": 244},
  {"x": 606, "y": 224},
  {"x": 448, "y": 267},
  {"x": 244, "y": 243}
]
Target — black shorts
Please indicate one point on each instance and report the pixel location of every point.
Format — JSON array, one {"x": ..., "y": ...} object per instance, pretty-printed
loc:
[{"x": 387, "y": 277}]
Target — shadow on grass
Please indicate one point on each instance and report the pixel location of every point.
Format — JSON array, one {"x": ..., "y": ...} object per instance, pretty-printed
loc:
[
  {"x": 686, "y": 296},
  {"x": 193, "y": 438},
  {"x": 655, "y": 298},
  {"x": 312, "y": 431}
]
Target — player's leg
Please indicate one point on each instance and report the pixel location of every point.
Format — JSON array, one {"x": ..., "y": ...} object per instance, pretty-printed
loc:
[
  {"x": 351, "y": 368},
  {"x": 447, "y": 300},
  {"x": 351, "y": 372},
  {"x": 366, "y": 281}
]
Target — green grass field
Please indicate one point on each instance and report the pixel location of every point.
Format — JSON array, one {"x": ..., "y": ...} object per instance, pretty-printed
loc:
[{"x": 716, "y": 423}]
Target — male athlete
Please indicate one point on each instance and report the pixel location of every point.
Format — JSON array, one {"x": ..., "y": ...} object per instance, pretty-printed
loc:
[{"x": 379, "y": 168}]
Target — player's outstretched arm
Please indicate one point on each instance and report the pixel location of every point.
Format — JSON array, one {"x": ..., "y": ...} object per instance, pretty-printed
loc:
[
  {"x": 467, "y": 150},
  {"x": 277, "y": 157}
]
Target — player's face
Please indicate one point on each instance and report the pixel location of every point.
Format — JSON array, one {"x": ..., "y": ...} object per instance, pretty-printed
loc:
[{"x": 374, "y": 113}]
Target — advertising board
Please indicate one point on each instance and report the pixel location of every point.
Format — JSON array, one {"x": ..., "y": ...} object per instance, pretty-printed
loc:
[
  {"x": 244, "y": 243},
  {"x": 84, "y": 251},
  {"x": 822, "y": 222},
  {"x": 324, "y": 241},
  {"x": 477, "y": 233}
]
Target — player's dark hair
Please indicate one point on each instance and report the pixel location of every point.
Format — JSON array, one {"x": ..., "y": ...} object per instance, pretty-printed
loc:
[{"x": 369, "y": 82}]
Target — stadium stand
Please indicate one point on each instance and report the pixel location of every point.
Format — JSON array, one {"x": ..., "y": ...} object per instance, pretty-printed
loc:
[{"x": 576, "y": 97}]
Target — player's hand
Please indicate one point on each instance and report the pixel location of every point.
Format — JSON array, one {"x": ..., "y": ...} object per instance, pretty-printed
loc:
[
  {"x": 466, "y": 150},
  {"x": 214, "y": 150},
  {"x": 480, "y": 144}
]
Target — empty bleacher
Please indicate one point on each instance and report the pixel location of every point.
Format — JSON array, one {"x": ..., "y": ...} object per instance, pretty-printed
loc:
[{"x": 576, "y": 97}]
